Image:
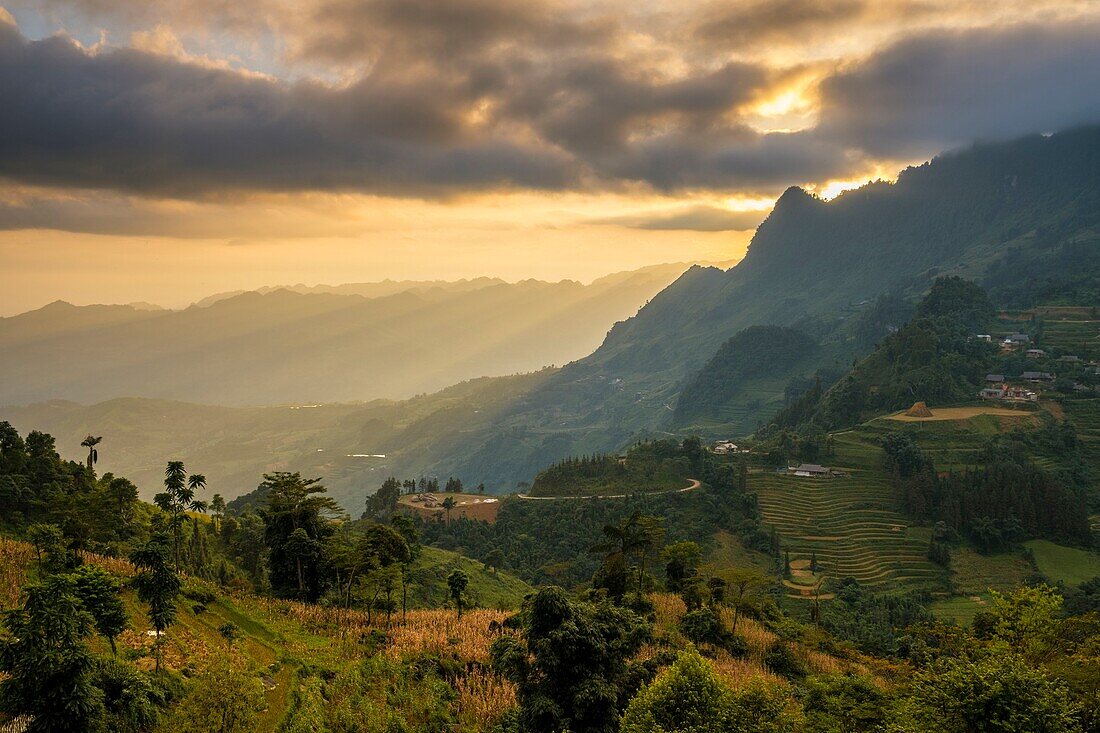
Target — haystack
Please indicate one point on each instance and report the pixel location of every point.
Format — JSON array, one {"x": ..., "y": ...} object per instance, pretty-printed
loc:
[{"x": 919, "y": 409}]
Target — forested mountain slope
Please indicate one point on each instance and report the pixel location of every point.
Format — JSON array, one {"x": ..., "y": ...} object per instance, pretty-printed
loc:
[
  {"x": 319, "y": 345},
  {"x": 1022, "y": 216}
]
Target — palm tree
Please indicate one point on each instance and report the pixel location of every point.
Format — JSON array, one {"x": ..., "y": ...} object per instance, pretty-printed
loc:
[
  {"x": 93, "y": 455},
  {"x": 177, "y": 499}
]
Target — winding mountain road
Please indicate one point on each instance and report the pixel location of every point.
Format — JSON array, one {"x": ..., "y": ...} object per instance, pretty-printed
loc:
[{"x": 695, "y": 483}]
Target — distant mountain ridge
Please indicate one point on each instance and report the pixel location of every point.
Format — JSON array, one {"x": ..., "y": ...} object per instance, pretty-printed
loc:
[
  {"x": 1022, "y": 218},
  {"x": 322, "y": 345}
]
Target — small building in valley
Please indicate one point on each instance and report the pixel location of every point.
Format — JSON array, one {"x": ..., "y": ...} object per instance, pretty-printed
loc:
[
  {"x": 1035, "y": 354},
  {"x": 994, "y": 378},
  {"x": 1037, "y": 377},
  {"x": 809, "y": 469}
]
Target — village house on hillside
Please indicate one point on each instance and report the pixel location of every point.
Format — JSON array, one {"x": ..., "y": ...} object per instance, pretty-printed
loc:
[
  {"x": 1009, "y": 394},
  {"x": 1037, "y": 377},
  {"x": 810, "y": 469},
  {"x": 1035, "y": 354},
  {"x": 994, "y": 378}
]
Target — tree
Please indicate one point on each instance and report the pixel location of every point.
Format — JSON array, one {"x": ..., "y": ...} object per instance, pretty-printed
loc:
[
  {"x": 157, "y": 584},
  {"x": 637, "y": 537},
  {"x": 47, "y": 666},
  {"x": 222, "y": 699},
  {"x": 130, "y": 699},
  {"x": 406, "y": 527},
  {"x": 122, "y": 495},
  {"x": 681, "y": 563},
  {"x": 99, "y": 592},
  {"x": 999, "y": 693},
  {"x": 383, "y": 503},
  {"x": 378, "y": 553},
  {"x": 295, "y": 503},
  {"x": 571, "y": 662},
  {"x": 494, "y": 560},
  {"x": 689, "y": 697},
  {"x": 448, "y": 504},
  {"x": 457, "y": 581},
  {"x": 49, "y": 547},
  {"x": 93, "y": 455},
  {"x": 177, "y": 499},
  {"x": 217, "y": 509}
]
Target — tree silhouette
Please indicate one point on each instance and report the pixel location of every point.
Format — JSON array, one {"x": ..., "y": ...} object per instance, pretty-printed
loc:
[{"x": 93, "y": 455}]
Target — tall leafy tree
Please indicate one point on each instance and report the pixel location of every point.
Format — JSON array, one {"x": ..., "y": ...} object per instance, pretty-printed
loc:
[
  {"x": 406, "y": 527},
  {"x": 217, "y": 509},
  {"x": 177, "y": 499},
  {"x": 571, "y": 662},
  {"x": 99, "y": 591},
  {"x": 297, "y": 524},
  {"x": 47, "y": 666},
  {"x": 157, "y": 584}
]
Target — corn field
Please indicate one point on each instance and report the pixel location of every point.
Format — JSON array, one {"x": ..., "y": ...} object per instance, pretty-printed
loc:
[{"x": 14, "y": 559}]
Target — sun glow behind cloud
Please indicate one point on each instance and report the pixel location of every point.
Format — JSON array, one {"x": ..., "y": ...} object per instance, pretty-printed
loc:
[{"x": 352, "y": 140}]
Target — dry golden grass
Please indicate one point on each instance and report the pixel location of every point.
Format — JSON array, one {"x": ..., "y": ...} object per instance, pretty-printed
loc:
[
  {"x": 14, "y": 559},
  {"x": 119, "y": 566},
  {"x": 670, "y": 608},
  {"x": 431, "y": 631},
  {"x": 483, "y": 697}
]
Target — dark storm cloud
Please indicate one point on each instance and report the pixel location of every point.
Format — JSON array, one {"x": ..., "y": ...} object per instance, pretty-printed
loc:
[
  {"x": 951, "y": 88},
  {"x": 443, "y": 34},
  {"x": 491, "y": 94},
  {"x": 131, "y": 120},
  {"x": 692, "y": 218},
  {"x": 734, "y": 24}
]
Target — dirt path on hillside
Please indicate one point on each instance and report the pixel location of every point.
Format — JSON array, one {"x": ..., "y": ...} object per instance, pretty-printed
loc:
[{"x": 695, "y": 483}]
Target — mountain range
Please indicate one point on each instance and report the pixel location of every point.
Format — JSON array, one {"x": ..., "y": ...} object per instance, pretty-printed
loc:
[
  {"x": 315, "y": 344},
  {"x": 1022, "y": 218}
]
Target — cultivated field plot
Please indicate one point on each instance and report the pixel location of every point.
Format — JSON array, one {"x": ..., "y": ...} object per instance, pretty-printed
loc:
[
  {"x": 472, "y": 506},
  {"x": 855, "y": 527},
  {"x": 940, "y": 414},
  {"x": 1071, "y": 329},
  {"x": 1085, "y": 416},
  {"x": 1068, "y": 565}
]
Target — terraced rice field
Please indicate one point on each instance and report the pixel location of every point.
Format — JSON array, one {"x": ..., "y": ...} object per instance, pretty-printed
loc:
[
  {"x": 853, "y": 524},
  {"x": 1085, "y": 416},
  {"x": 1076, "y": 337}
]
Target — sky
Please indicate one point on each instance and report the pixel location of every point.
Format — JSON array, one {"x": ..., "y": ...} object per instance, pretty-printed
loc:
[{"x": 162, "y": 150}]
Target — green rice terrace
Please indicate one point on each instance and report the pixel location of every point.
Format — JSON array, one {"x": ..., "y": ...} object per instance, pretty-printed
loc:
[{"x": 854, "y": 523}]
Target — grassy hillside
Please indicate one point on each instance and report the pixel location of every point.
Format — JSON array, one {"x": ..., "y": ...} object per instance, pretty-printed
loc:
[
  {"x": 325, "y": 669},
  {"x": 488, "y": 589}
]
